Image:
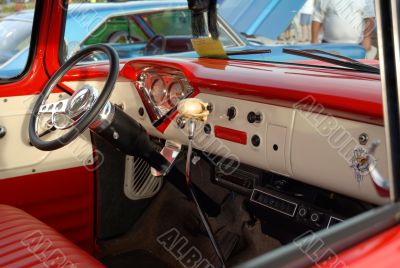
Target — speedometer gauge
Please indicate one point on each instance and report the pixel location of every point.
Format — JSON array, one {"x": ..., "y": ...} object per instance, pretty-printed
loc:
[
  {"x": 176, "y": 92},
  {"x": 158, "y": 92}
]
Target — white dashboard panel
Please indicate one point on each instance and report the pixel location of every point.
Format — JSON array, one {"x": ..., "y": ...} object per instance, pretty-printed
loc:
[
  {"x": 305, "y": 152},
  {"x": 19, "y": 158},
  {"x": 322, "y": 155}
]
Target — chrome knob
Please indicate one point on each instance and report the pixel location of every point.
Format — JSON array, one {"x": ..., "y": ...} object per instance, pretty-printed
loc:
[
  {"x": 315, "y": 217},
  {"x": 303, "y": 212}
]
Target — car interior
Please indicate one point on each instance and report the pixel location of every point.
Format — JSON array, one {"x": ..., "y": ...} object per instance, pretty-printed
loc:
[{"x": 169, "y": 161}]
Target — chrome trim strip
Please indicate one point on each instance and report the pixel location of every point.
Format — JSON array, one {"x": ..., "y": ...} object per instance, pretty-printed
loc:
[
  {"x": 330, "y": 219},
  {"x": 389, "y": 55}
]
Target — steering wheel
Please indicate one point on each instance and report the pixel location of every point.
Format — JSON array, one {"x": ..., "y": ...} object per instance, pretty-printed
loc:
[
  {"x": 156, "y": 45},
  {"x": 81, "y": 110}
]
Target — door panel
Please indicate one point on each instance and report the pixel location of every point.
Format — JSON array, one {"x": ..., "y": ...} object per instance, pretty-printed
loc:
[
  {"x": 63, "y": 199},
  {"x": 56, "y": 187}
]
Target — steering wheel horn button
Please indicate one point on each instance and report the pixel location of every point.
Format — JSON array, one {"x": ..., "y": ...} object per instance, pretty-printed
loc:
[{"x": 81, "y": 101}]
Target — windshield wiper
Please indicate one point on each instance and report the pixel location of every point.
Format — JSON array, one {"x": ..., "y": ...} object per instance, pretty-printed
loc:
[
  {"x": 248, "y": 51},
  {"x": 333, "y": 59}
]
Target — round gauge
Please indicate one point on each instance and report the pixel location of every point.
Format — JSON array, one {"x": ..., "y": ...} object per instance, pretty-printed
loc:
[
  {"x": 176, "y": 92},
  {"x": 158, "y": 92}
]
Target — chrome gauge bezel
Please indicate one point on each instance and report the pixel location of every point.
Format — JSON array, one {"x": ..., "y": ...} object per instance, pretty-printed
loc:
[{"x": 156, "y": 107}]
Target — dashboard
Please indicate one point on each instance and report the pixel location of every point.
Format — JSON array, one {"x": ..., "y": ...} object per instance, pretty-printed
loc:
[{"x": 282, "y": 119}]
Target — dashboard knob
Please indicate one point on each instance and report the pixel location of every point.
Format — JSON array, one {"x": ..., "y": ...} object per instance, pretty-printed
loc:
[
  {"x": 181, "y": 122},
  {"x": 255, "y": 140},
  {"x": 210, "y": 107},
  {"x": 231, "y": 113},
  {"x": 303, "y": 212},
  {"x": 207, "y": 129},
  {"x": 3, "y": 131},
  {"x": 253, "y": 117},
  {"x": 315, "y": 217},
  {"x": 141, "y": 111}
]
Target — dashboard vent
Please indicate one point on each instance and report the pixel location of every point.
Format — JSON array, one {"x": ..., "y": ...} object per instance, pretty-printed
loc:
[{"x": 139, "y": 183}]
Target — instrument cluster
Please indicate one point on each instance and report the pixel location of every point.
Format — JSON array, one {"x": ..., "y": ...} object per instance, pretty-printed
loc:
[{"x": 162, "y": 91}]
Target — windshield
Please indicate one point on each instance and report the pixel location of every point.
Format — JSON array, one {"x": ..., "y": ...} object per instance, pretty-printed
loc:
[
  {"x": 142, "y": 28},
  {"x": 138, "y": 28},
  {"x": 15, "y": 36}
]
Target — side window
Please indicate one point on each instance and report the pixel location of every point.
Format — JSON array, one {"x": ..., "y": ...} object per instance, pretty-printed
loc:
[{"x": 15, "y": 37}]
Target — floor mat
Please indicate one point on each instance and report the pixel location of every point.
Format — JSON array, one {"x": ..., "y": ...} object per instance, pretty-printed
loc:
[
  {"x": 171, "y": 230},
  {"x": 137, "y": 258}
]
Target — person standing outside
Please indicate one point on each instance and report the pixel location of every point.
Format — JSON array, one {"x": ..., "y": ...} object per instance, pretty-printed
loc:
[
  {"x": 306, "y": 13},
  {"x": 344, "y": 21}
]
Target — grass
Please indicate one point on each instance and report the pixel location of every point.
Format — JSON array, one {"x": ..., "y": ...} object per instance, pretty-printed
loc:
[{"x": 11, "y": 8}]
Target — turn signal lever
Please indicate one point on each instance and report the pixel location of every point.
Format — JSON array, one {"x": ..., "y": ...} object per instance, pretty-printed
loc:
[{"x": 190, "y": 112}]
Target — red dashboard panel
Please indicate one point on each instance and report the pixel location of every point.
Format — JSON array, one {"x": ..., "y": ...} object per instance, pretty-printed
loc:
[{"x": 346, "y": 94}]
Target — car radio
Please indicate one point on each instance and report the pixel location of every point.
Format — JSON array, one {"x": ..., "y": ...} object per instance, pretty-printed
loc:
[
  {"x": 272, "y": 202},
  {"x": 284, "y": 203}
]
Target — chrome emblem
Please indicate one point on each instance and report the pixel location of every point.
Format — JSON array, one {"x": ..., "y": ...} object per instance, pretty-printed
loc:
[
  {"x": 363, "y": 161},
  {"x": 360, "y": 163}
]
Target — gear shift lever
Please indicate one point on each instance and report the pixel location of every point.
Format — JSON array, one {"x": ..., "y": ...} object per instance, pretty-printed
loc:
[{"x": 192, "y": 111}]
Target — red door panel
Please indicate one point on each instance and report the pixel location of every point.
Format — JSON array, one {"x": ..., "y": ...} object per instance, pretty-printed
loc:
[
  {"x": 63, "y": 199},
  {"x": 380, "y": 251}
]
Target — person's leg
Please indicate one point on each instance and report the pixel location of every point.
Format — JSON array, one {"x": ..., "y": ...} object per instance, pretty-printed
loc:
[
  {"x": 308, "y": 21},
  {"x": 303, "y": 28}
]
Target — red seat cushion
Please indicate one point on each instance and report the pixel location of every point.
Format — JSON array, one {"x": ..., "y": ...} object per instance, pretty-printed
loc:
[{"x": 27, "y": 242}]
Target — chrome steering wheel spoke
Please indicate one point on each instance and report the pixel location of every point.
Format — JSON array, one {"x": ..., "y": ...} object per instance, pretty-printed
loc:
[
  {"x": 55, "y": 107},
  {"x": 57, "y": 111}
]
